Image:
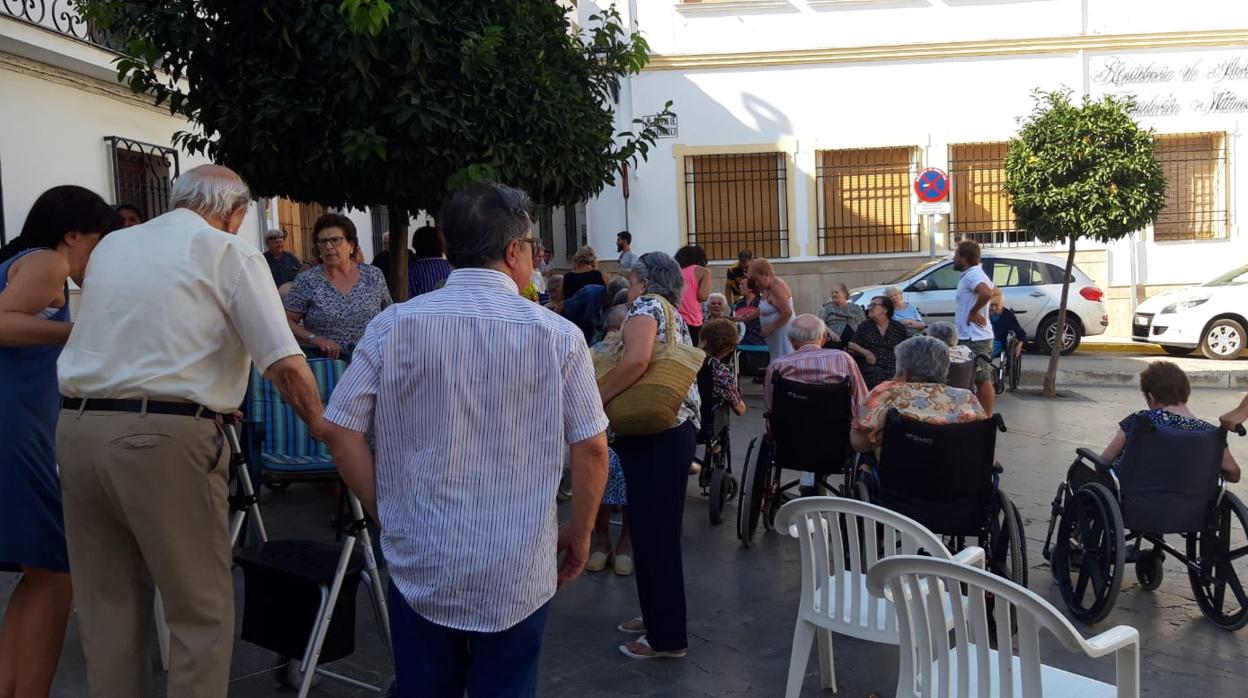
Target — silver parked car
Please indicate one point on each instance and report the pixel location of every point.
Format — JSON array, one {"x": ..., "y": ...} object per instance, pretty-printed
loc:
[{"x": 1031, "y": 284}]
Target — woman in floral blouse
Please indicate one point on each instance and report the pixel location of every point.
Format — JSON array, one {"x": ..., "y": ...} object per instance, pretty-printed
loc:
[{"x": 918, "y": 392}]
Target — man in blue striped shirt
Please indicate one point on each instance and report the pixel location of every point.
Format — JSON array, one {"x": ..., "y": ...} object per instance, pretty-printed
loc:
[{"x": 473, "y": 395}]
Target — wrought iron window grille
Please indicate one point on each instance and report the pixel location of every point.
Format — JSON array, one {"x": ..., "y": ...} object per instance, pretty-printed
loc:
[
  {"x": 143, "y": 174},
  {"x": 738, "y": 201}
]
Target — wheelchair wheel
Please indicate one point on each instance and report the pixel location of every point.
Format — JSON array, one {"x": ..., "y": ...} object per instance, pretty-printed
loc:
[
  {"x": 718, "y": 496},
  {"x": 773, "y": 498},
  {"x": 1005, "y": 547},
  {"x": 753, "y": 482},
  {"x": 862, "y": 492},
  {"x": 1088, "y": 555},
  {"x": 1016, "y": 370},
  {"x": 1220, "y": 554},
  {"x": 1149, "y": 568}
]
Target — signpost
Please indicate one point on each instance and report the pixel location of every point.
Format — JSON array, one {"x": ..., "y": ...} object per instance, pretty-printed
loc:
[{"x": 931, "y": 186}]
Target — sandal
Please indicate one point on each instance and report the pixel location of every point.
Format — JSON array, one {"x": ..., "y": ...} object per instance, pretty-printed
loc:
[
  {"x": 641, "y": 649},
  {"x": 597, "y": 561},
  {"x": 636, "y": 626},
  {"x": 623, "y": 565}
]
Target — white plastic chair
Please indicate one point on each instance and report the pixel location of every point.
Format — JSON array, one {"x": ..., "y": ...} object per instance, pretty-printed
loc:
[
  {"x": 834, "y": 595},
  {"x": 929, "y": 667}
]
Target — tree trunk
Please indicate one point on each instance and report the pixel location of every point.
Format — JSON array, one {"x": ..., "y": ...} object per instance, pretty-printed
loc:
[
  {"x": 398, "y": 253},
  {"x": 1055, "y": 351}
]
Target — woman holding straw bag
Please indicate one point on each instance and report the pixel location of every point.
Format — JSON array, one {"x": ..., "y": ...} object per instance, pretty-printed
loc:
[{"x": 644, "y": 383}]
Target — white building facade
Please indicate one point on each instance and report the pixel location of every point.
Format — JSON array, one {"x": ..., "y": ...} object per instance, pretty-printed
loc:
[{"x": 802, "y": 123}]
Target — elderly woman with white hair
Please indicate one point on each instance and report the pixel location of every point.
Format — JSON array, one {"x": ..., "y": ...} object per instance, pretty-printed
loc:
[
  {"x": 716, "y": 307},
  {"x": 919, "y": 392},
  {"x": 656, "y": 466},
  {"x": 903, "y": 312},
  {"x": 948, "y": 333}
]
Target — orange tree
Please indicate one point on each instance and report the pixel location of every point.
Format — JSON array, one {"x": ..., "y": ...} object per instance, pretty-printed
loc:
[
  {"x": 357, "y": 103},
  {"x": 1081, "y": 171}
]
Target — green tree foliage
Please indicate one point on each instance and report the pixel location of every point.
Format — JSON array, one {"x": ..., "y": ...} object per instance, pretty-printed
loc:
[
  {"x": 370, "y": 102},
  {"x": 1083, "y": 170}
]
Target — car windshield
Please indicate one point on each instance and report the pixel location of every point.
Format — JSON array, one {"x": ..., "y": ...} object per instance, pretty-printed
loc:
[
  {"x": 1235, "y": 277},
  {"x": 918, "y": 270}
]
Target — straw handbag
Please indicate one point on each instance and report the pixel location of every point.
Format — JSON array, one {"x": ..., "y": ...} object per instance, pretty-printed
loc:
[{"x": 650, "y": 405}]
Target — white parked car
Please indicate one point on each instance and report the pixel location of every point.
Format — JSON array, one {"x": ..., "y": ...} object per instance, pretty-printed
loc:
[
  {"x": 1209, "y": 317},
  {"x": 1031, "y": 284}
]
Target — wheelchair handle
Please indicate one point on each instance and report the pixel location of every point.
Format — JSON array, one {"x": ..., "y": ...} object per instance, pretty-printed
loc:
[
  {"x": 1240, "y": 430},
  {"x": 1094, "y": 458}
]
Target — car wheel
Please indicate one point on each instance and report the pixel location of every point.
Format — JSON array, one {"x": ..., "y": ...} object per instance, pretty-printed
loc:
[
  {"x": 1046, "y": 335},
  {"x": 1177, "y": 351},
  {"x": 1223, "y": 340}
]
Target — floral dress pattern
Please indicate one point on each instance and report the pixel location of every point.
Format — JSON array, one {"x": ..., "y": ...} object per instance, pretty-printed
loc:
[
  {"x": 724, "y": 385},
  {"x": 329, "y": 313},
  {"x": 1162, "y": 418},
  {"x": 868, "y": 337},
  {"x": 615, "y": 493},
  {"x": 650, "y": 305},
  {"x": 933, "y": 403}
]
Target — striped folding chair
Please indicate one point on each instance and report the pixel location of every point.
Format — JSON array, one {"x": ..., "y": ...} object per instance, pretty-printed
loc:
[{"x": 282, "y": 449}]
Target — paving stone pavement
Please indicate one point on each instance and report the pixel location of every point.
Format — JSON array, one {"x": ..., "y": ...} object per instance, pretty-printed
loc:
[{"x": 742, "y": 602}]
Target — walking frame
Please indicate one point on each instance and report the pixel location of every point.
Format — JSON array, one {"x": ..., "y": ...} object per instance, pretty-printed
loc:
[{"x": 244, "y": 505}]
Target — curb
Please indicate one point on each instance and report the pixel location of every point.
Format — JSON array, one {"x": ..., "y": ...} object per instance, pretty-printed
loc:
[
  {"x": 1124, "y": 379},
  {"x": 1119, "y": 348}
]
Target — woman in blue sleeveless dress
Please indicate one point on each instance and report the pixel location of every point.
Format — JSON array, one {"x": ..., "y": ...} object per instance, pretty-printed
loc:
[{"x": 60, "y": 232}]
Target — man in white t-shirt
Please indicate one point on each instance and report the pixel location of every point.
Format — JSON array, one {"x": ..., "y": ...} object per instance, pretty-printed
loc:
[{"x": 971, "y": 316}]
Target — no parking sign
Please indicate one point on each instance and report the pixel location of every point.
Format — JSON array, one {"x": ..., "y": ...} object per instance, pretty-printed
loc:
[{"x": 931, "y": 186}]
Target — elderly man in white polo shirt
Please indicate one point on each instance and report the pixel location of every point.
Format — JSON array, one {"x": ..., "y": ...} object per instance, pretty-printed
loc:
[
  {"x": 473, "y": 395},
  {"x": 173, "y": 312}
]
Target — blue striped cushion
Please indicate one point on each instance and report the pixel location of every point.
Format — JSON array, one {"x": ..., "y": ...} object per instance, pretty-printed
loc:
[{"x": 287, "y": 446}]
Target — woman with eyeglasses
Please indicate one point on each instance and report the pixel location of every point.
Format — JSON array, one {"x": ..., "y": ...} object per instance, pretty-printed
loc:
[
  {"x": 875, "y": 340},
  {"x": 330, "y": 304}
]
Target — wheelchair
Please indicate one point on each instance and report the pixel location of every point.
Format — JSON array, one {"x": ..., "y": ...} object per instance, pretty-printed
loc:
[
  {"x": 945, "y": 477},
  {"x": 808, "y": 431},
  {"x": 1169, "y": 481},
  {"x": 1007, "y": 367},
  {"x": 715, "y": 476}
]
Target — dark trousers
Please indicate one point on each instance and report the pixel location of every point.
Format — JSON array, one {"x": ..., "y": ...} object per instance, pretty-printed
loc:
[
  {"x": 656, "y": 474},
  {"x": 433, "y": 661}
]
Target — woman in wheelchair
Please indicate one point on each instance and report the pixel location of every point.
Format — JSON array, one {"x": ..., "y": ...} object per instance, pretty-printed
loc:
[
  {"x": 1166, "y": 389},
  {"x": 1004, "y": 321},
  {"x": 719, "y": 341},
  {"x": 918, "y": 391}
]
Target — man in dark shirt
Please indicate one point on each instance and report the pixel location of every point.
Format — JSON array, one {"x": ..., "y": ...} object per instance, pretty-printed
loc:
[
  {"x": 736, "y": 276},
  {"x": 283, "y": 265}
]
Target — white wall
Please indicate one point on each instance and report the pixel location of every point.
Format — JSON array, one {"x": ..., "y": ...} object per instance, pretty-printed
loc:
[
  {"x": 928, "y": 103},
  {"x": 54, "y": 134}
]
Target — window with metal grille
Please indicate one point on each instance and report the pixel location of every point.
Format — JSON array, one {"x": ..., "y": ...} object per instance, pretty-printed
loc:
[
  {"x": 142, "y": 174},
  {"x": 572, "y": 237},
  {"x": 1196, "y": 196},
  {"x": 380, "y": 216},
  {"x": 864, "y": 201},
  {"x": 981, "y": 208},
  {"x": 738, "y": 201}
]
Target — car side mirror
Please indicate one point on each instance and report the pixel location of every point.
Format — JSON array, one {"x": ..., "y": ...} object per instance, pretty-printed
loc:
[{"x": 920, "y": 285}]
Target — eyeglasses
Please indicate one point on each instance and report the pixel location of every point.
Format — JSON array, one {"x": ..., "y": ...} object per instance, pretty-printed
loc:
[
  {"x": 331, "y": 242},
  {"x": 529, "y": 241}
]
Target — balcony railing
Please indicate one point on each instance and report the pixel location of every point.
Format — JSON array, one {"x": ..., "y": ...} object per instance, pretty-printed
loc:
[{"x": 60, "y": 16}]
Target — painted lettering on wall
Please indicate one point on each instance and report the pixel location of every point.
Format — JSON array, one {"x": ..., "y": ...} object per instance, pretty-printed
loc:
[{"x": 1166, "y": 88}]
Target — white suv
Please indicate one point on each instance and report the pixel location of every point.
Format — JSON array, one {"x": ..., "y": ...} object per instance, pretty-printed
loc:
[
  {"x": 1210, "y": 317},
  {"x": 1031, "y": 284}
]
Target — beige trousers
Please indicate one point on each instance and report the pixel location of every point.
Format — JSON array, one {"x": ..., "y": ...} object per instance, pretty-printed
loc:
[{"x": 145, "y": 500}]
